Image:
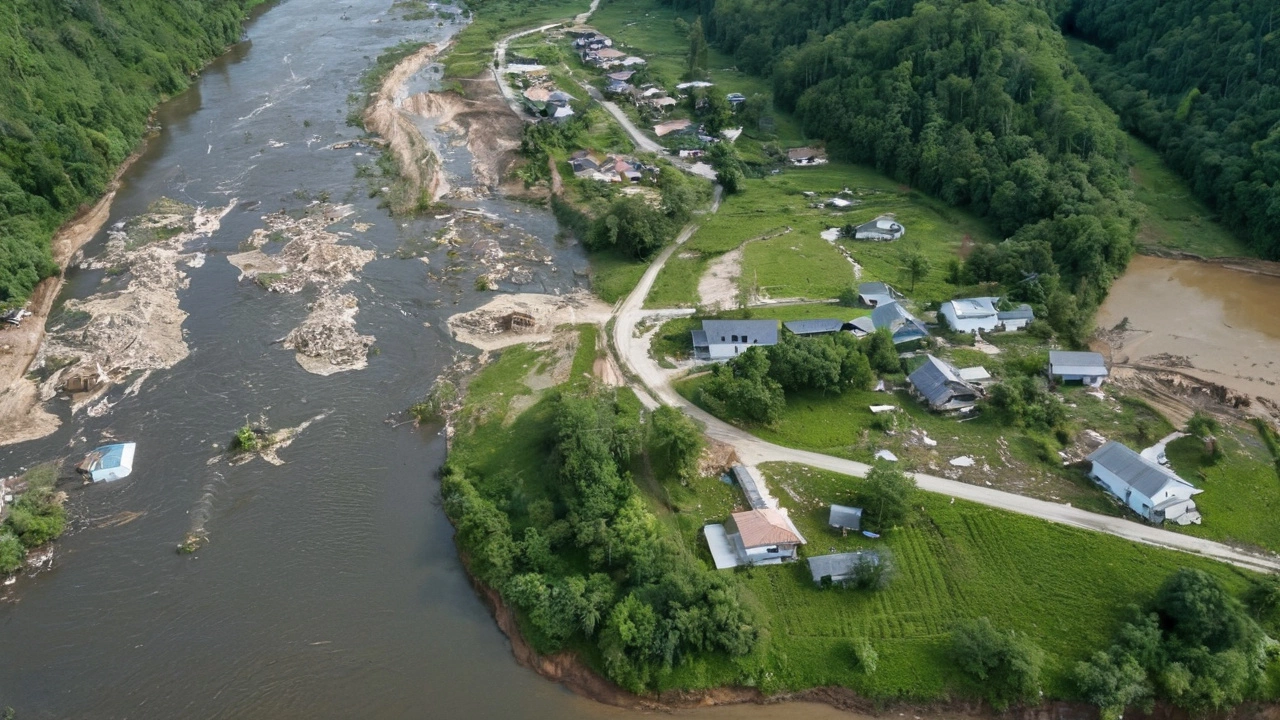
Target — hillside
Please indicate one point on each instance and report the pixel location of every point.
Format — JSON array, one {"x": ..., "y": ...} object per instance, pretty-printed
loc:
[
  {"x": 78, "y": 79},
  {"x": 1198, "y": 81}
]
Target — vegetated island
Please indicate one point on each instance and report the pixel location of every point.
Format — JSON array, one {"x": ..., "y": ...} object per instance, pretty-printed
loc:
[{"x": 580, "y": 515}]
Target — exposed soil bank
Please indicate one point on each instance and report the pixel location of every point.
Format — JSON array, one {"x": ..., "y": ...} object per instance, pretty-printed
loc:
[
  {"x": 489, "y": 327},
  {"x": 1215, "y": 325},
  {"x": 21, "y": 417},
  {"x": 417, "y": 158}
]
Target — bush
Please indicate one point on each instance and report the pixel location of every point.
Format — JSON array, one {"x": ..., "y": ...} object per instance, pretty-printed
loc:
[
  {"x": 246, "y": 440},
  {"x": 865, "y": 656},
  {"x": 885, "y": 497},
  {"x": 1006, "y": 663},
  {"x": 848, "y": 297},
  {"x": 37, "y": 516},
  {"x": 12, "y": 554}
]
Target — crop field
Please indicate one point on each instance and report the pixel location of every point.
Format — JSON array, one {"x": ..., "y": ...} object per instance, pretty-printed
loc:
[
  {"x": 1066, "y": 588},
  {"x": 777, "y": 201}
]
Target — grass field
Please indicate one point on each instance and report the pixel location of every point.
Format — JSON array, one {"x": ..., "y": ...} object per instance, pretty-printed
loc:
[
  {"x": 674, "y": 341},
  {"x": 1066, "y": 588},
  {"x": 1173, "y": 218},
  {"x": 777, "y": 201},
  {"x": 1241, "y": 495},
  {"x": 472, "y": 52}
]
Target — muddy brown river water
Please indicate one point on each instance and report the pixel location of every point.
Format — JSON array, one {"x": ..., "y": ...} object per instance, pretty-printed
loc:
[
  {"x": 1222, "y": 322},
  {"x": 329, "y": 586}
]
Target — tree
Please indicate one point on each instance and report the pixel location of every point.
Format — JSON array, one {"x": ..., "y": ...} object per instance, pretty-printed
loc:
[
  {"x": 1194, "y": 607},
  {"x": 12, "y": 554},
  {"x": 1113, "y": 683},
  {"x": 849, "y": 297},
  {"x": 697, "y": 58},
  {"x": 881, "y": 352},
  {"x": 915, "y": 264},
  {"x": 1006, "y": 663},
  {"x": 679, "y": 438},
  {"x": 885, "y": 496},
  {"x": 631, "y": 226},
  {"x": 1203, "y": 427}
]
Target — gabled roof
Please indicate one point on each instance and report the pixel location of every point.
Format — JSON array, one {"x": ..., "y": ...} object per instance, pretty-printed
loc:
[
  {"x": 863, "y": 324},
  {"x": 1022, "y": 312},
  {"x": 1139, "y": 473},
  {"x": 761, "y": 528},
  {"x": 610, "y": 53},
  {"x": 938, "y": 381},
  {"x": 893, "y": 316},
  {"x": 764, "y": 332},
  {"x": 750, "y": 487},
  {"x": 843, "y": 516},
  {"x": 1062, "y": 362},
  {"x": 979, "y": 307},
  {"x": 814, "y": 327},
  {"x": 840, "y": 565},
  {"x": 874, "y": 288},
  {"x": 621, "y": 75}
]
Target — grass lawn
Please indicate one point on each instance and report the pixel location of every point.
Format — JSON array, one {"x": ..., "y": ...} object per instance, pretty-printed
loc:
[
  {"x": 1066, "y": 588},
  {"x": 777, "y": 201},
  {"x": 613, "y": 275},
  {"x": 1241, "y": 495},
  {"x": 1173, "y": 218},
  {"x": 796, "y": 265},
  {"x": 472, "y": 52}
]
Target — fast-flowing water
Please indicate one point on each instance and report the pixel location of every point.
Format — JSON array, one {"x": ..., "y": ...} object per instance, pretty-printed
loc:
[{"x": 330, "y": 586}]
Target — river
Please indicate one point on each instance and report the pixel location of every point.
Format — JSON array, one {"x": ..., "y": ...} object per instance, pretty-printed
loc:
[{"x": 330, "y": 586}]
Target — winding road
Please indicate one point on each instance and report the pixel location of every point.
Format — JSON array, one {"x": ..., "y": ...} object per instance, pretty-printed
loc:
[{"x": 633, "y": 352}]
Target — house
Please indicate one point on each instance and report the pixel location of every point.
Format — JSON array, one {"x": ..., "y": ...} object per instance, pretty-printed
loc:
[
  {"x": 694, "y": 84},
  {"x": 735, "y": 99},
  {"x": 902, "y": 324},
  {"x": 618, "y": 87},
  {"x": 1018, "y": 318},
  {"x": 694, "y": 153},
  {"x": 632, "y": 61},
  {"x": 671, "y": 126},
  {"x": 881, "y": 229},
  {"x": 583, "y": 166},
  {"x": 844, "y": 518},
  {"x": 537, "y": 95},
  {"x": 559, "y": 98},
  {"x": 661, "y": 104},
  {"x": 971, "y": 314},
  {"x": 1088, "y": 368},
  {"x": 1152, "y": 491},
  {"x": 109, "y": 462},
  {"x": 940, "y": 384},
  {"x": 723, "y": 339},
  {"x": 764, "y": 537},
  {"x": 861, "y": 326},
  {"x": 814, "y": 327},
  {"x": 875, "y": 294},
  {"x": 806, "y": 156},
  {"x": 840, "y": 568}
]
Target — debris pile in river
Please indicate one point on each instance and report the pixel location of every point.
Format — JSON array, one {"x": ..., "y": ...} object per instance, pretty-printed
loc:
[
  {"x": 327, "y": 341},
  {"x": 136, "y": 324}
]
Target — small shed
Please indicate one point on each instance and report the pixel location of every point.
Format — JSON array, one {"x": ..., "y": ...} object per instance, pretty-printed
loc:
[
  {"x": 109, "y": 462},
  {"x": 1089, "y": 368},
  {"x": 845, "y": 518},
  {"x": 806, "y": 156},
  {"x": 840, "y": 567},
  {"x": 881, "y": 229},
  {"x": 521, "y": 322}
]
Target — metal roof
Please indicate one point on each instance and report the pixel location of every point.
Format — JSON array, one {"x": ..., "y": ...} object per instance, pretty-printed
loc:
[
  {"x": 843, "y": 516},
  {"x": 1138, "y": 472},
  {"x": 761, "y": 528},
  {"x": 1062, "y": 362},
  {"x": 893, "y": 316},
  {"x": 761, "y": 332},
  {"x": 938, "y": 381},
  {"x": 864, "y": 324},
  {"x": 750, "y": 487},
  {"x": 974, "y": 307},
  {"x": 840, "y": 565},
  {"x": 814, "y": 327},
  {"x": 1022, "y": 312},
  {"x": 874, "y": 288}
]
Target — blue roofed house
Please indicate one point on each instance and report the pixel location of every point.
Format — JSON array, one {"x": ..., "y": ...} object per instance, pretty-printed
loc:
[
  {"x": 873, "y": 294},
  {"x": 904, "y": 326},
  {"x": 109, "y": 462},
  {"x": 1152, "y": 491},
  {"x": 1089, "y": 368},
  {"x": 724, "y": 339}
]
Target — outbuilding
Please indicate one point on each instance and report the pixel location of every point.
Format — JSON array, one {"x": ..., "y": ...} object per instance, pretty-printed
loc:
[
  {"x": 873, "y": 294},
  {"x": 845, "y": 518},
  {"x": 1152, "y": 491},
  {"x": 840, "y": 568},
  {"x": 881, "y": 229},
  {"x": 1089, "y": 368},
  {"x": 904, "y": 326},
  {"x": 940, "y": 384},
  {"x": 825, "y": 326}
]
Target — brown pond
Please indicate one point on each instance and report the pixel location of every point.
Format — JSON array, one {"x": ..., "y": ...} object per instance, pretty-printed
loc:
[{"x": 1224, "y": 322}]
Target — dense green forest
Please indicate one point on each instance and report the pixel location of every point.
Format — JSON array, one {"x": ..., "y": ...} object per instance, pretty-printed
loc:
[
  {"x": 979, "y": 104},
  {"x": 1200, "y": 81},
  {"x": 78, "y": 79}
]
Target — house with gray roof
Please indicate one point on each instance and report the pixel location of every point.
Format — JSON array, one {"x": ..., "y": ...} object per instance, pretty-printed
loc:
[
  {"x": 983, "y": 314},
  {"x": 1088, "y": 368},
  {"x": 1152, "y": 491},
  {"x": 844, "y": 518},
  {"x": 904, "y": 326},
  {"x": 882, "y": 229},
  {"x": 1017, "y": 318},
  {"x": 724, "y": 339},
  {"x": 840, "y": 568},
  {"x": 824, "y": 326},
  {"x": 940, "y": 384},
  {"x": 873, "y": 294}
]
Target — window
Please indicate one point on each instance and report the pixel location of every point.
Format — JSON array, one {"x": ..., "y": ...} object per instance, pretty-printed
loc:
[
  {"x": 721, "y": 338},
  {"x": 773, "y": 549},
  {"x": 735, "y": 338}
]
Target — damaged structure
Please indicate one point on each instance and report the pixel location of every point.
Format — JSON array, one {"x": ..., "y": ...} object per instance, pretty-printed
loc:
[
  {"x": 1145, "y": 487},
  {"x": 943, "y": 387}
]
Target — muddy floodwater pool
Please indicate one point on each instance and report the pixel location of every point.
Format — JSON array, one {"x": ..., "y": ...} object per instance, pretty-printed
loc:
[{"x": 1207, "y": 320}]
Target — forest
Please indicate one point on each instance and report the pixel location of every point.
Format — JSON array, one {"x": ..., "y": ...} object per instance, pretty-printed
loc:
[
  {"x": 1201, "y": 82},
  {"x": 78, "y": 80},
  {"x": 979, "y": 104}
]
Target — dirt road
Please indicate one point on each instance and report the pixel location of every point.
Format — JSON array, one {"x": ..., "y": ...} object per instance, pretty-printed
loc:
[{"x": 634, "y": 355}]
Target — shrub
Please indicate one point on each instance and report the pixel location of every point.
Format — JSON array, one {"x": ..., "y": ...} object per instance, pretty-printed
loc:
[
  {"x": 1006, "y": 663},
  {"x": 12, "y": 554},
  {"x": 246, "y": 440},
  {"x": 865, "y": 656},
  {"x": 885, "y": 496}
]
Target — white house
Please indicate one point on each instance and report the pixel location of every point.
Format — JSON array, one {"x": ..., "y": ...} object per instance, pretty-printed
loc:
[
  {"x": 1148, "y": 489},
  {"x": 1017, "y": 318},
  {"x": 723, "y": 339},
  {"x": 880, "y": 229},
  {"x": 981, "y": 313},
  {"x": 764, "y": 537},
  {"x": 1084, "y": 367}
]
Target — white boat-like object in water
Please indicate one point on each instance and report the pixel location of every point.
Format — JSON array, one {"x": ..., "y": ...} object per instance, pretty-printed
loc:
[{"x": 109, "y": 462}]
